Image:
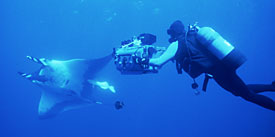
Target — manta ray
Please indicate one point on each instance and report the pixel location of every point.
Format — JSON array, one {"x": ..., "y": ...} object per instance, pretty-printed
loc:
[{"x": 70, "y": 84}]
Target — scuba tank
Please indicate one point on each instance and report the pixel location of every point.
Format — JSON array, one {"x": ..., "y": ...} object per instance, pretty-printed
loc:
[{"x": 214, "y": 43}]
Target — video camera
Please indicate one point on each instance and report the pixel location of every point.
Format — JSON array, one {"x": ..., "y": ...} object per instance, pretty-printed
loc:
[{"x": 127, "y": 55}]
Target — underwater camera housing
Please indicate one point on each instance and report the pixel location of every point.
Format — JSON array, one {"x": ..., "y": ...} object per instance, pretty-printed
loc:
[{"x": 125, "y": 57}]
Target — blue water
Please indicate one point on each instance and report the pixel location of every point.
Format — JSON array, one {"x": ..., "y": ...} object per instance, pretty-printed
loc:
[{"x": 159, "y": 105}]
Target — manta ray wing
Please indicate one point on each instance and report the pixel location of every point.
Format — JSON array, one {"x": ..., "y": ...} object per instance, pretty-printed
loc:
[
  {"x": 95, "y": 65},
  {"x": 52, "y": 104},
  {"x": 83, "y": 70}
]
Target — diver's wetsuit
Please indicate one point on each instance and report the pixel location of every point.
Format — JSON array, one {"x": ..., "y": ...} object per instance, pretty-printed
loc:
[
  {"x": 230, "y": 81},
  {"x": 224, "y": 76}
]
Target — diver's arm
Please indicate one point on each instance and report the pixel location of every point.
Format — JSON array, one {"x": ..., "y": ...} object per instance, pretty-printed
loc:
[{"x": 166, "y": 56}]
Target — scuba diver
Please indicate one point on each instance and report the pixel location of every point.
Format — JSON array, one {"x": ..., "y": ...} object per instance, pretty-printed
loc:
[{"x": 202, "y": 50}]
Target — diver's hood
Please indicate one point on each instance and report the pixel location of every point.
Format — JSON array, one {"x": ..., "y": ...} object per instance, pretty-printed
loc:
[{"x": 175, "y": 31}]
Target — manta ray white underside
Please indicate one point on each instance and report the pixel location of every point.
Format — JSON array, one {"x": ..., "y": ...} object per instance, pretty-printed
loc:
[{"x": 68, "y": 84}]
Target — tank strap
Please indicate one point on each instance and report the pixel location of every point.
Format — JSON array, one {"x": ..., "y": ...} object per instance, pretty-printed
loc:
[
  {"x": 187, "y": 47},
  {"x": 188, "y": 54},
  {"x": 181, "y": 54},
  {"x": 206, "y": 80},
  {"x": 179, "y": 67},
  {"x": 184, "y": 52}
]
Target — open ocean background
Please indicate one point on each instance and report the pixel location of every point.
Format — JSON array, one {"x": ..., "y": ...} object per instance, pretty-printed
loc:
[{"x": 156, "y": 105}]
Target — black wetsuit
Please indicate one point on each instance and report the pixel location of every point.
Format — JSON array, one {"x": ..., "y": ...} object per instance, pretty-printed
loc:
[
  {"x": 230, "y": 81},
  {"x": 196, "y": 62}
]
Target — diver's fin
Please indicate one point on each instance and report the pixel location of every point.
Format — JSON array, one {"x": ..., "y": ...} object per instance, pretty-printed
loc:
[{"x": 52, "y": 104}]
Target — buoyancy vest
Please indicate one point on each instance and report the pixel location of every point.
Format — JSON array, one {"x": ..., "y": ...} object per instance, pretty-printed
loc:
[
  {"x": 203, "y": 50},
  {"x": 190, "y": 59}
]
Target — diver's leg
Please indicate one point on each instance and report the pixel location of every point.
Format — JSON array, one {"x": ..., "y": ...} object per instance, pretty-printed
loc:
[
  {"x": 232, "y": 82},
  {"x": 258, "y": 88}
]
